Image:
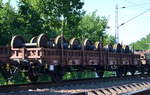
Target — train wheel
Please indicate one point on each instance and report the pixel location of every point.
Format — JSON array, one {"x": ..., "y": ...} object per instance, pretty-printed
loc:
[
  {"x": 148, "y": 72},
  {"x": 125, "y": 73},
  {"x": 100, "y": 74},
  {"x": 119, "y": 73},
  {"x": 33, "y": 77},
  {"x": 132, "y": 72},
  {"x": 56, "y": 77}
]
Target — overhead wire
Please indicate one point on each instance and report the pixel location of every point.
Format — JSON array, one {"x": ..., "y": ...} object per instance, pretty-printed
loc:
[
  {"x": 135, "y": 4},
  {"x": 135, "y": 17}
]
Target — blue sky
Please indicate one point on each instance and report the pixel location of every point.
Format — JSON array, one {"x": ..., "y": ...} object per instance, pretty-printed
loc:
[{"x": 129, "y": 32}]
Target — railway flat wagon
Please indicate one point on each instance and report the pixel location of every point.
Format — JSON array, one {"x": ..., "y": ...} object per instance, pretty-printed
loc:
[{"x": 55, "y": 57}]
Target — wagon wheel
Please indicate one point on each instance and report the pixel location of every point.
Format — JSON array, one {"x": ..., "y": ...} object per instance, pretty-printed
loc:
[
  {"x": 88, "y": 44},
  {"x": 127, "y": 50},
  {"x": 148, "y": 72},
  {"x": 110, "y": 48},
  {"x": 100, "y": 74},
  {"x": 99, "y": 45},
  {"x": 51, "y": 43},
  {"x": 42, "y": 41},
  {"x": 132, "y": 72},
  {"x": 125, "y": 73},
  {"x": 33, "y": 77},
  {"x": 17, "y": 41},
  {"x": 57, "y": 77},
  {"x": 75, "y": 44},
  {"x": 119, "y": 72},
  {"x": 58, "y": 41},
  {"x": 33, "y": 40},
  {"x": 119, "y": 48}
]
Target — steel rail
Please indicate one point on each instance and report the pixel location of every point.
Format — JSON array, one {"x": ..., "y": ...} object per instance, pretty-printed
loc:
[{"x": 68, "y": 83}]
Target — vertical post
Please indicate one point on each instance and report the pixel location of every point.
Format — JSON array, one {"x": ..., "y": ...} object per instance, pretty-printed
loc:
[
  {"x": 62, "y": 47},
  {"x": 82, "y": 51},
  {"x": 133, "y": 48},
  {"x": 116, "y": 23}
]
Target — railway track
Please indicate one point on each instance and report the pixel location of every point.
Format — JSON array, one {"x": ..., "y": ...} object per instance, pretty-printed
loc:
[
  {"x": 128, "y": 89},
  {"x": 71, "y": 86}
]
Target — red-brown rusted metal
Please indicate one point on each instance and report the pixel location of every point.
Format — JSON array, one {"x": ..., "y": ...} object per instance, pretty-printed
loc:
[
  {"x": 74, "y": 57},
  {"x": 4, "y": 54}
]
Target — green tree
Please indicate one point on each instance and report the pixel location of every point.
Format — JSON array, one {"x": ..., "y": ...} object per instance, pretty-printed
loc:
[
  {"x": 93, "y": 27},
  {"x": 142, "y": 44},
  {"x": 110, "y": 40},
  {"x": 29, "y": 19},
  {"x": 7, "y": 22},
  {"x": 45, "y": 16}
]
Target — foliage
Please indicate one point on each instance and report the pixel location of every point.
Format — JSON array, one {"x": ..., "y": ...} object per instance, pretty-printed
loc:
[
  {"x": 7, "y": 22},
  {"x": 44, "y": 78},
  {"x": 45, "y": 16},
  {"x": 79, "y": 75},
  {"x": 34, "y": 17},
  {"x": 19, "y": 78},
  {"x": 142, "y": 44},
  {"x": 2, "y": 81},
  {"x": 93, "y": 27},
  {"x": 110, "y": 39},
  {"x": 109, "y": 74}
]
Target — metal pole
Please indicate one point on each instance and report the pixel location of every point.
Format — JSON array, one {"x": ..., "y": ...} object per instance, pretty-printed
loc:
[
  {"x": 62, "y": 48},
  {"x": 116, "y": 23},
  {"x": 83, "y": 50}
]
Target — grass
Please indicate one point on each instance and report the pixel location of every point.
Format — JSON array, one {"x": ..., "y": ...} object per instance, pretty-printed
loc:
[
  {"x": 2, "y": 80},
  {"x": 21, "y": 78},
  {"x": 109, "y": 74}
]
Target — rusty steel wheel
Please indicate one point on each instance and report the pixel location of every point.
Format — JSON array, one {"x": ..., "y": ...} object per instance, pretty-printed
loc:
[
  {"x": 88, "y": 44},
  {"x": 33, "y": 40},
  {"x": 42, "y": 41},
  {"x": 17, "y": 41},
  {"x": 58, "y": 41},
  {"x": 75, "y": 44},
  {"x": 51, "y": 43},
  {"x": 127, "y": 50},
  {"x": 33, "y": 77},
  {"x": 56, "y": 77},
  {"x": 99, "y": 45},
  {"x": 132, "y": 72},
  {"x": 119, "y": 48},
  {"x": 110, "y": 48},
  {"x": 119, "y": 73}
]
